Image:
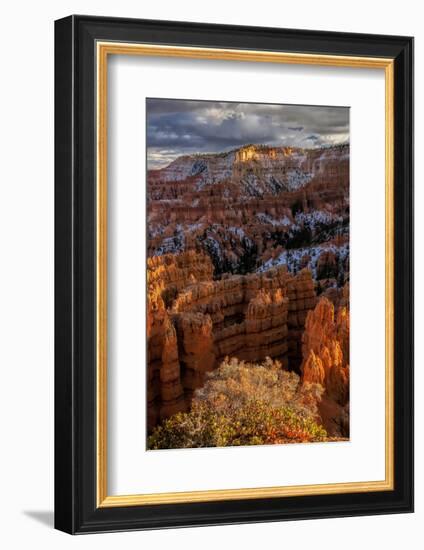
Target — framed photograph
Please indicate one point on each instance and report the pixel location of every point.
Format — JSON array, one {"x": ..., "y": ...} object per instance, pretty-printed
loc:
[{"x": 234, "y": 274}]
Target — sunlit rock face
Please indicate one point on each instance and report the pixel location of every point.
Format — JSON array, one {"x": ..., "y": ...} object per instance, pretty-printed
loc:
[
  {"x": 268, "y": 169},
  {"x": 325, "y": 348}
]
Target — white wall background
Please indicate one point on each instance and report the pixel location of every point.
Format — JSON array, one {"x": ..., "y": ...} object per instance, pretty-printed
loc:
[{"x": 26, "y": 274}]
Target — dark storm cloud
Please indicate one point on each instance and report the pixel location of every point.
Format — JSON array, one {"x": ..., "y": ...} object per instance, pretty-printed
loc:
[{"x": 178, "y": 127}]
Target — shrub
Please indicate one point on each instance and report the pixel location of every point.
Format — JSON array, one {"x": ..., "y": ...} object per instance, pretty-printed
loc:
[{"x": 245, "y": 404}]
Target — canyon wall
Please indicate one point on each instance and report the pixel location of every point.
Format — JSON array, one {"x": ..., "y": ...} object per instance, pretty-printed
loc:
[{"x": 274, "y": 168}]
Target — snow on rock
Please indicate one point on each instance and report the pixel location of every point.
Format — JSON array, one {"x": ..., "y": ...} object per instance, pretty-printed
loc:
[
  {"x": 292, "y": 257},
  {"x": 296, "y": 179},
  {"x": 238, "y": 231},
  {"x": 260, "y": 169},
  {"x": 317, "y": 217},
  {"x": 266, "y": 218}
]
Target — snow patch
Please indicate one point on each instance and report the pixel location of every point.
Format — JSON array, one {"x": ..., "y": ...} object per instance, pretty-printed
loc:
[
  {"x": 266, "y": 218},
  {"x": 292, "y": 257}
]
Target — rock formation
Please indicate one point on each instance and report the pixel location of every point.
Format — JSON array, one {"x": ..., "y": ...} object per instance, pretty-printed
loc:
[
  {"x": 325, "y": 348},
  {"x": 250, "y": 317},
  {"x": 276, "y": 168},
  {"x": 237, "y": 207},
  {"x": 166, "y": 275},
  {"x": 196, "y": 347}
]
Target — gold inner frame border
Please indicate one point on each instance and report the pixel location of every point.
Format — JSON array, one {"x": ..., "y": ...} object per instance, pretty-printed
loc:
[{"x": 103, "y": 50}]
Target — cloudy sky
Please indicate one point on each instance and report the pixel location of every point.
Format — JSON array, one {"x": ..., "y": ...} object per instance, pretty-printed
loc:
[{"x": 179, "y": 127}]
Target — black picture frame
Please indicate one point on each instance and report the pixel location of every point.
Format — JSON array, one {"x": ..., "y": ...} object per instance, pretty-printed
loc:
[{"x": 76, "y": 510}]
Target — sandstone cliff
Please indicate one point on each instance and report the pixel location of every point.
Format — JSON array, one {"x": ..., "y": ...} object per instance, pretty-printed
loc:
[
  {"x": 277, "y": 168},
  {"x": 325, "y": 348}
]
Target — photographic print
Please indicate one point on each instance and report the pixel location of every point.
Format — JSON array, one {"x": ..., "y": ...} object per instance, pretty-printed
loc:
[
  {"x": 247, "y": 273},
  {"x": 206, "y": 211}
]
